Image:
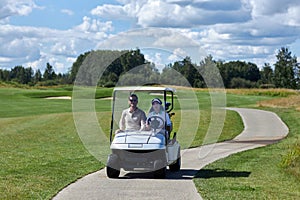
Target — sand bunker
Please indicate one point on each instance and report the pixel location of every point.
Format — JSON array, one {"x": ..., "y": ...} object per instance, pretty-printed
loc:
[
  {"x": 62, "y": 97},
  {"x": 106, "y": 98}
]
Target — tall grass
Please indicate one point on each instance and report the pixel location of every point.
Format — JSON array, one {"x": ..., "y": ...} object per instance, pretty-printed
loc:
[
  {"x": 263, "y": 92},
  {"x": 286, "y": 102},
  {"x": 291, "y": 160}
]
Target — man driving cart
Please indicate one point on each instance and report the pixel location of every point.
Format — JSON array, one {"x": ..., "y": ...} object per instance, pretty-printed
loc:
[{"x": 132, "y": 118}]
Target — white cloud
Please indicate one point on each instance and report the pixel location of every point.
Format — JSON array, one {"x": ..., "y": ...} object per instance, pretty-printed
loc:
[
  {"x": 67, "y": 11},
  {"x": 12, "y": 7},
  {"x": 94, "y": 25},
  {"x": 66, "y": 48},
  {"x": 35, "y": 46},
  {"x": 178, "y": 54},
  {"x": 109, "y": 11},
  {"x": 158, "y": 13},
  {"x": 174, "y": 40},
  {"x": 212, "y": 36},
  {"x": 235, "y": 22},
  {"x": 293, "y": 17},
  {"x": 271, "y": 7}
]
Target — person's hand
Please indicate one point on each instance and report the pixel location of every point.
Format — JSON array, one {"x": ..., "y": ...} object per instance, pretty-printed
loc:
[
  {"x": 119, "y": 131},
  {"x": 147, "y": 127}
]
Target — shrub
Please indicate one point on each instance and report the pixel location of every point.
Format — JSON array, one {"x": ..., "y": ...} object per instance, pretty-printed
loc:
[
  {"x": 241, "y": 83},
  {"x": 109, "y": 84},
  {"x": 267, "y": 86},
  {"x": 48, "y": 83}
]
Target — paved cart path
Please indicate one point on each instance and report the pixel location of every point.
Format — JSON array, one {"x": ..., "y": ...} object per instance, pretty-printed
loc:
[{"x": 261, "y": 128}]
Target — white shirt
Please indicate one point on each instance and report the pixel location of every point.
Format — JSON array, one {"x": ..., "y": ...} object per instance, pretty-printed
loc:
[{"x": 132, "y": 121}]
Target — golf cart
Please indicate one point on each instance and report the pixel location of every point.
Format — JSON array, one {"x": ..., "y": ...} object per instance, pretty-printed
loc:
[{"x": 149, "y": 150}]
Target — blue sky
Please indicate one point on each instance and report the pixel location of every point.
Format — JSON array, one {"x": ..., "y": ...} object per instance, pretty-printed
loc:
[{"x": 34, "y": 32}]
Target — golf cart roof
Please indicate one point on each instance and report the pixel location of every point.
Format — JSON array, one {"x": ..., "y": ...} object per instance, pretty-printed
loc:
[{"x": 144, "y": 88}]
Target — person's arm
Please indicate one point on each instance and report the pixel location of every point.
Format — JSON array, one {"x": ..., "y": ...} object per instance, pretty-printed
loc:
[
  {"x": 143, "y": 121},
  {"x": 169, "y": 123},
  {"x": 147, "y": 127},
  {"x": 122, "y": 121},
  {"x": 169, "y": 126}
]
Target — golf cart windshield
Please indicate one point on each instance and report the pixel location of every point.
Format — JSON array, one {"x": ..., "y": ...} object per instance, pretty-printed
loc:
[{"x": 158, "y": 119}]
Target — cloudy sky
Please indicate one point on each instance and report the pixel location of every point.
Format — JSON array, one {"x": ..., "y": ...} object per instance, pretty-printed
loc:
[{"x": 34, "y": 32}]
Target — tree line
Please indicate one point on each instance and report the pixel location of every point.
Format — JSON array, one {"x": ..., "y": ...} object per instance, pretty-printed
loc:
[
  {"x": 28, "y": 76},
  {"x": 285, "y": 73}
]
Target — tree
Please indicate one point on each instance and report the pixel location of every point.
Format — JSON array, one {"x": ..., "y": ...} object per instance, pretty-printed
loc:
[
  {"x": 210, "y": 73},
  {"x": 17, "y": 74},
  {"x": 267, "y": 74},
  {"x": 241, "y": 83},
  {"x": 297, "y": 74},
  {"x": 49, "y": 73},
  {"x": 28, "y": 75},
  {"x": 37, "y": 76},
  {"x": 189, "y": 71},
  {"x": 238, "y": 69},
  {"x": 132, "y": 59},
  {"x": 76, "y": 65},
  {"x": 5, "y": 75},
  {"x": 252, "y": 72},
  {"x": 119, "y": 63},
  {"x": 170, "y": 76},
  {"x": 284, "y": 76}
]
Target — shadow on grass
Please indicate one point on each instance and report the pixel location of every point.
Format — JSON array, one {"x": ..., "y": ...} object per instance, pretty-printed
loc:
[{"x": 217, "y": 173}]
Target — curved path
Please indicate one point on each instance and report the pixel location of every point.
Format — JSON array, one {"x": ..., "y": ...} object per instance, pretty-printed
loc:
[{"x": 261, "y": 128}]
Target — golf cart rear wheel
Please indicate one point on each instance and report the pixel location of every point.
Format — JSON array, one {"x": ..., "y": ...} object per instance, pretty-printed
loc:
[
  {"x": 160, "y": 173},
  {"x": 112, "y": 173}
]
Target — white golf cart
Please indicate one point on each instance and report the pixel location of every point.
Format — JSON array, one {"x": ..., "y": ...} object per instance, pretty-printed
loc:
[{"x": 143, "y": 150}]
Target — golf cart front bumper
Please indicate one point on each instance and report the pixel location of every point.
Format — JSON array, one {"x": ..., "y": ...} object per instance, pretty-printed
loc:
[{"x": 139, "y": 160}]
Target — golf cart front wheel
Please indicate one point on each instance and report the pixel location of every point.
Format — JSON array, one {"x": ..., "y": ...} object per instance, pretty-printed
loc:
[
  {"x": 112, "y": 173},
  {"x": 160, "y": 173},
  {"x": 175, "y": 166},
  {"x": 160, "y": 169}
]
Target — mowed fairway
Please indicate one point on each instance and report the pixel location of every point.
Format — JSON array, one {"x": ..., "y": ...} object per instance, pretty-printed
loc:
[
  {"x": 41, "y": 152},
  {"x": 40, "y": 149}
]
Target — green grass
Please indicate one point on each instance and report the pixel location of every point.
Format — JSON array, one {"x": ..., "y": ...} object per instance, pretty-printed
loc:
[
  {"x": 40, "y": 155},
  {"x": 41, "y": 152},
  {"x": 291, "y": 160},
  {"x": 245, "y": 101},
  {"x": 270, "y": 172},
  {"x": 16, "y": 102}
]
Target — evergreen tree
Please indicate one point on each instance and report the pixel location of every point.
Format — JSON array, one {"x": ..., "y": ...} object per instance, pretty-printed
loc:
[
  {"x": 284, "y": 76},
  {"x": 76, "y": 65},
  {"x": 28, "y": 75},
  {"x": 297, "y": 74},
  {"x": 267, "y": 74},
  {"x": 49, "y": 73},
  {"x": 37, "y": 76}
]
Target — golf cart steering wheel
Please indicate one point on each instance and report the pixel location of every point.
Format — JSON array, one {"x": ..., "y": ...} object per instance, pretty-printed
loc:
[{"x": 155, "y": 122}]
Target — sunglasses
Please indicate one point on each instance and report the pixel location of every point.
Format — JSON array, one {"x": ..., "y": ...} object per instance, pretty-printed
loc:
[{"x": 133, "y": 100}]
